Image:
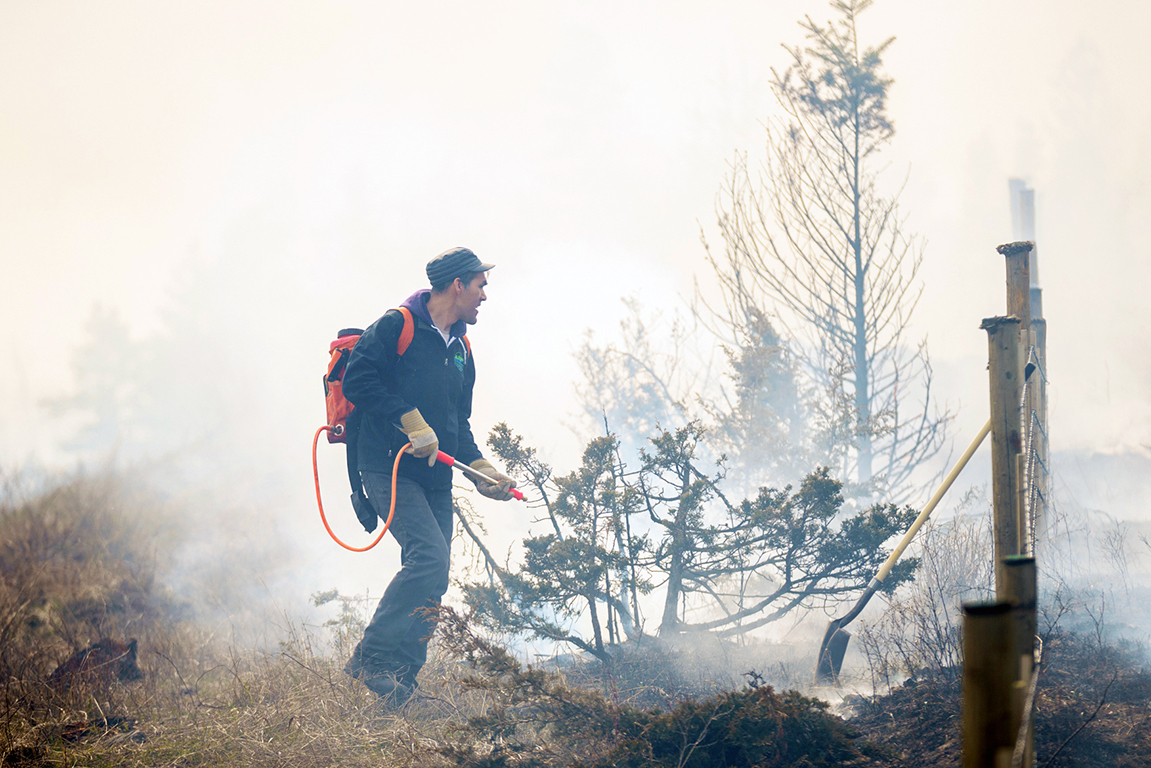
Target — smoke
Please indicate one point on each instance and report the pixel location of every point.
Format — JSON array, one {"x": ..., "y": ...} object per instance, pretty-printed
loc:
[{"x": 233, "y": 183}]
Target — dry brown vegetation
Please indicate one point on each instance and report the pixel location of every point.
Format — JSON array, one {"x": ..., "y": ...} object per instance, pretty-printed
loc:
[
  {"x": 78, "y": 562},
  {"x": 81, "y": 560}
]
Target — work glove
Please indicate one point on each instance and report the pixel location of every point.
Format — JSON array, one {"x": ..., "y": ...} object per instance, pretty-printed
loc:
[
  {"x": 500, "y": 490},
  {"x": 423, "y": 438}
]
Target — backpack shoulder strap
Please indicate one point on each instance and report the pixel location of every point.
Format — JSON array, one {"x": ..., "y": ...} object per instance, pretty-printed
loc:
[{"x": 407, "y": 333}]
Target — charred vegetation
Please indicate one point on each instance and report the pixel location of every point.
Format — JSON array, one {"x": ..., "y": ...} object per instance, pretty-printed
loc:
[{"x": 1091, "y": 709}]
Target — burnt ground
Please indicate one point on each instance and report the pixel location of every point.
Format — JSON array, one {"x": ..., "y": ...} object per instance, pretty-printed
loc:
[{"x": 1093, "y": 708}]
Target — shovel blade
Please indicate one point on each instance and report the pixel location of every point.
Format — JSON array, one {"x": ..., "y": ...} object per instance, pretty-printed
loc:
[{"x": 831, "y": 653}]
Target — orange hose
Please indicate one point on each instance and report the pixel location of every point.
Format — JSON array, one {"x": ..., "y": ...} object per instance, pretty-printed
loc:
[{"x": 320, "y": 502}]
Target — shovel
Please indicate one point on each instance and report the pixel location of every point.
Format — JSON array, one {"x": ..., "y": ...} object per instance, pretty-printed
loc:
[{"x": 834, "y": 645}]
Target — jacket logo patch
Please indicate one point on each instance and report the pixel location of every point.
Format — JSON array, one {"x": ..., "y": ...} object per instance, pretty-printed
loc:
[{"x": 460, "y": 361}]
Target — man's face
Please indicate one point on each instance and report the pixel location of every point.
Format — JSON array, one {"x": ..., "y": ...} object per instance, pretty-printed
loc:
[{"x": 470, "y": 298}]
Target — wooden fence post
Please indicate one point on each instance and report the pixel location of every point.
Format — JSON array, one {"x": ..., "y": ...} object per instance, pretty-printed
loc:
[
  {"x": 1018, "y": 261},
  {"x": 1042, "y": 447},
  {"x": 1019, "y": 283},
  {"x": 1023, "y": 229},
  {"x": 1006, "y": 438},
  {"x": 990, "y": 722},
  {"x": 1022, "y": 589}
]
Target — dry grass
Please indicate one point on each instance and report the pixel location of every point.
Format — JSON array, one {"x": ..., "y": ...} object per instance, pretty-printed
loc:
[
  {"x": 78, "y": 562},
  {"x": 82, "y": 560}
]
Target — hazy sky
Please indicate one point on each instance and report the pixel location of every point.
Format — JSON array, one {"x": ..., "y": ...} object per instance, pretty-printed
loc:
[{"x": 307, "y": 159}]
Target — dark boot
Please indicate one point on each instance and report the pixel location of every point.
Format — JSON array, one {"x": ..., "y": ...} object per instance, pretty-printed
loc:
[{"x": 389, "y": 688}]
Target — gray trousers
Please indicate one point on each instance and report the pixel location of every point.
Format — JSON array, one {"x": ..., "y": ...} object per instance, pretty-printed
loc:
[{"x": 396, "y": 639}]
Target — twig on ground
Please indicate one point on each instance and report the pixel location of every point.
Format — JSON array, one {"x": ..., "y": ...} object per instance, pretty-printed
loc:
[{"x": 1084, "y": 724}]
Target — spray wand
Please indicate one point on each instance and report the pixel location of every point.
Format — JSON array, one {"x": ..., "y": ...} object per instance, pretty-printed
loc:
[
  {"x": 516, "y": 493},
  {"x": 440, "y": 456}
]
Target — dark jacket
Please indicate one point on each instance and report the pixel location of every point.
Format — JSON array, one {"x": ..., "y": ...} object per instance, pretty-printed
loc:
[{"x": 435, "y": 377}]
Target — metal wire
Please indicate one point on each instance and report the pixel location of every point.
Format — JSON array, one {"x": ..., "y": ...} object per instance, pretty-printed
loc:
[
  {"x": 1036, "y": 440},
  {"x": 1028, "y": 708},
  {"x": 1033, "y": 461},
  {"x": 1042, "y": 429},
  {"x": 1031, "y": 357}
]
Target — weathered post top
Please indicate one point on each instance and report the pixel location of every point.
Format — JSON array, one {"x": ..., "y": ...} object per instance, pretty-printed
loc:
[
  {"x": 995, "y": 323},
  {"x": 1011, "y": 249}
]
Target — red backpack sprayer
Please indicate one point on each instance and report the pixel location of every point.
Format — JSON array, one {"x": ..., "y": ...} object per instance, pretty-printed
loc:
[{"x": 342, "y": 420}]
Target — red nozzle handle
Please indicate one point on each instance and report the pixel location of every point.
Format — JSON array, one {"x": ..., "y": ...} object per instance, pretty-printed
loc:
[{"x": 451, "y": 462}]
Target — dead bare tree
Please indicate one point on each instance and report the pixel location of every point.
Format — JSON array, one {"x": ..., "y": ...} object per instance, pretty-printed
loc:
[
  {"x": 811, "y": 241},
  {"x": 649, "y": 378}
]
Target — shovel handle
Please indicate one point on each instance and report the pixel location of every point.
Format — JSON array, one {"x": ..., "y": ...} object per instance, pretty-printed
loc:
[
  {"x": 451, "y": 462},
  {"x": 927, "y": 510},
  {"x": 833, "y": 647}
]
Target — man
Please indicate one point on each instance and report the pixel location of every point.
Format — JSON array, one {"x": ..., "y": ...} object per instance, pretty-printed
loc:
[{"x": 422, "y": 397}]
